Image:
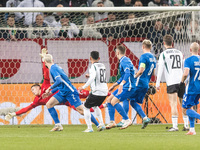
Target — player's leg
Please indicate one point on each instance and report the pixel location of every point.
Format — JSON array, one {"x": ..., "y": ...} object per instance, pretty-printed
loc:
[
  {"x": 185, "y": 118},
  {"x": 50, "y": 106},
  {"x": 115, "y": 102},
  {"x": 173, "y": 103},
  {"x": 181, "y": 92},
  {"x": 111, "y": 112},
  {"x": 126, "y": 109},
  {"x": 188, "y": 102}
]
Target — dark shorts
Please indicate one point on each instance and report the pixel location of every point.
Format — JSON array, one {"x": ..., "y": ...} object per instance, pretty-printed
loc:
[
  {"x": 139, "y": 94},
  {"x": 175, "y": 89},
  {"x": 94, "y": 100}
]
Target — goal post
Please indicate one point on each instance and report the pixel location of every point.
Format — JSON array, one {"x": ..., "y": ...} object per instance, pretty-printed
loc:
[{"x": 70, "y": 34}]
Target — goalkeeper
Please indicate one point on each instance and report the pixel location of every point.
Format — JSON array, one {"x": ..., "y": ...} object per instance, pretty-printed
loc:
[{"x": 38, "y": 90}]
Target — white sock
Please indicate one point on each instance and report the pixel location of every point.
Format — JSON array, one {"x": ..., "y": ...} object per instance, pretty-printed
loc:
[
  {"x": 99, "y": 115},
  {"x": 185, "y": 119},
  {"x": 175, "y": 121},
  {"x": 145, "y": 118},
  {"x": 192, "y": 130},
  {"x": 87, "y": 117}
]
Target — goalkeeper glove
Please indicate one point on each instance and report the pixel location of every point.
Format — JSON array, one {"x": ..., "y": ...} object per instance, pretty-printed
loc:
[
  {"x": 44, "y": 52},
  {"x": 9, "y": 116}
]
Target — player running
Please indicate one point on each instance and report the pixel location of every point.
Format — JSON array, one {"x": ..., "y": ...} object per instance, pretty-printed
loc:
[
  {"x": 99, "y": 91},
  {"x": 171, "y": 62},
  {"x": 192, "y": 93},
  {"x": 147, "y": 65},
  {"x": 66, "y": 92},
  {"x": 124, "y": 91}
]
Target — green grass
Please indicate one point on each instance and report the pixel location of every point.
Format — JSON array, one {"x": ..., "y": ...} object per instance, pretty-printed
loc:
[{"x": 38, "y": 137}]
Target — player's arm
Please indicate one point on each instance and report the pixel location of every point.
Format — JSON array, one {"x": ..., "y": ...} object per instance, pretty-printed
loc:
[
  {"x": 91, "y": 78},
  {"x": 160, "y": 71},
  {"x": 185, "y": 74},
  {"x": 141, "y": 70}
]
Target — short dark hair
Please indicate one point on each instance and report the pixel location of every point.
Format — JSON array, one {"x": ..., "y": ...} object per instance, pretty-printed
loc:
[
  {"x": 94, "y": 55},
  {"x": 122, "y": 49},
  {"x": 35, "y": 85},
  {"x": 168, "y": 39},
  {"x": 11, "y": 16}
]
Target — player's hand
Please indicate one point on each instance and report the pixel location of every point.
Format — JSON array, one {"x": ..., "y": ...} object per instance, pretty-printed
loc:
[
  {"x": 48, "y": 90},
  {"x": 158, "y": 88},
  {"x": 87, "y": 75},
  {"x": 80, "y": 88},
  {"x": 120, "y": 89},
  {"x": 45, "y": 95},
  {"x": 44, "y": 52},
  {"x": 9, "y": 116},
  {"x": 111, "y": 88}
]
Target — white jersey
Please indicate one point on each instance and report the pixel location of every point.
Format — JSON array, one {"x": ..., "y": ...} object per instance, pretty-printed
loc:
[
  {"x": 171, "y": 61},
  {"x": 97, "y": 80}
]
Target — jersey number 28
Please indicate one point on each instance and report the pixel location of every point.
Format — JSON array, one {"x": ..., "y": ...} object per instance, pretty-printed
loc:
[{"x": 176, "y": 61}]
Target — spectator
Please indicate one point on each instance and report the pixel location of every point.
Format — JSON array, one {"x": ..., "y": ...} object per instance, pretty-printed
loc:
[
  {"x": 156, "y": 34},
  {"x": 127, "y": 3},
  {"x": 100, "y": 16},
  {"x": 29, "y": 17},
  {"x": 12, "y": 3},
  {"x": 164, "y": 3},
  {"x": 55, "y": 3},
  {"x": 89, "y": 31},
  {"x": 154, "y": 3},
  {"x": 41, "y": 29},
  {"x": 177, "y": 2},
  {"x": 58, "y": 15},
  {"x": 2, "y": 16},
  {"x": 107, "y": 3},
  {"x": 12, "y": 34},
  {"x": 178, "y": 33},
  {"x": 138, "y": 3},
  {"x": 118, "y": 3},
  {"x": 113, "y": 31},
  {"x": 49, "y": 18},
  {"x": 77, "y": 3},
  {"x": 193, "y": 36},
  {"x": 68, "y": 29}
]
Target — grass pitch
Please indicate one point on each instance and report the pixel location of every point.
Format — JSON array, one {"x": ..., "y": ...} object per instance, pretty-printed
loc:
[{"x": 38, "y": 137}]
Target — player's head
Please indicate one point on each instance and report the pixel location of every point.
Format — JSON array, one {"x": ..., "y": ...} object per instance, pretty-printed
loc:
[
  {"x": 168, "y": 40},
  {"x": 36, "y": 89},
  {"x": 120, "y": 51},
  {"x": 146, "y": 45},
  {"x": 48, "y": 59},
  {"x": 194, "y": 48},
  {"x": 94, "y": 56}
]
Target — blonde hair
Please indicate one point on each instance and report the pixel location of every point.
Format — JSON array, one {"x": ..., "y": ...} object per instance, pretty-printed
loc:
[
  {"x": 194, "y": 47},
  {"x": 48, "y": 58},
  {"x": 147, "y": 44}
]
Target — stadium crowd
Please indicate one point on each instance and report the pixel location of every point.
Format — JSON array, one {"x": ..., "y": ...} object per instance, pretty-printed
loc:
[{"x": 70, "y": 25}]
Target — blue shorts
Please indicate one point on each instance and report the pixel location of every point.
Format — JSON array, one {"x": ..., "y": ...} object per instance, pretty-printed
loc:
[
  {"x": 126, "y": 94},
  {"x": 139, "y": 94},
  {"x": 190, "y": 100},
  {"x": 72, "y": 97}
]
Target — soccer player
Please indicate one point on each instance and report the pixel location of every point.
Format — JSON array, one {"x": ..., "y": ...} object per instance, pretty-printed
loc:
[
  {"x": 147, "y": 65},
  {"x": 192, "y": 93},
  {"x": 66, "y": 92},
  {"x": 38, "y": 90},
  {"x": 171, "y": 62},
  {"x": 124, "y": 91},
  {"x": 99, "y": 91}
]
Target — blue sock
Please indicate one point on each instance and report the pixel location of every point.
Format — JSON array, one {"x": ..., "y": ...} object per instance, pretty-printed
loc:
[
  {"x": 54, "y": 114},
  {"x": 126, "y": 106},
  {"x": 121, "y": 111},
  {"x": 94, "y": 120},
  {"x": 193, "y": 114},
  {"x": 191, "y": 122},
  {"x": 111, "y": 111},
  {"x": 138, "y": 108}
]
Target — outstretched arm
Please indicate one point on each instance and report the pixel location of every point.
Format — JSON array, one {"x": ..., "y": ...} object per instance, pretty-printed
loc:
[{"x": 24, "y": 110}]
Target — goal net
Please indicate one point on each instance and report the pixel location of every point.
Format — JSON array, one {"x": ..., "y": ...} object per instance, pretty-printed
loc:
[{"x": 70, "y": 37}]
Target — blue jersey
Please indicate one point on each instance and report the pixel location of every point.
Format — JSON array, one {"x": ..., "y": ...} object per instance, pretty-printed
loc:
[
  {"x": 150, "y": 64},
  {"x": 193, "y": 85},
  {"x": 127, "y": 72},
  {"x": 63, "y": 84}
]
